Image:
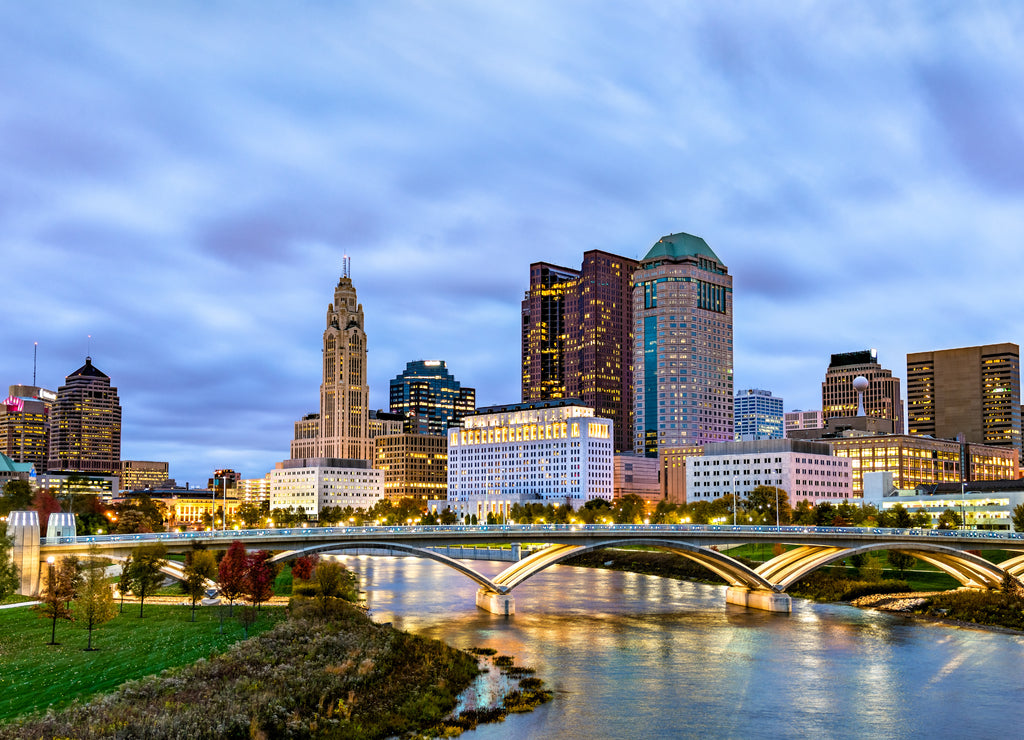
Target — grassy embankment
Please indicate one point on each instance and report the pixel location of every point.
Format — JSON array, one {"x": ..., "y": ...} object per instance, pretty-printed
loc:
[{"x": 36, "y": 675}]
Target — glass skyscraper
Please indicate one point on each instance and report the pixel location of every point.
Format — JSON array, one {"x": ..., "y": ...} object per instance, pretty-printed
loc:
[
  {"x": 426, "y": 388},
  {"x": 682, "y": 347},
  {"x": 758, "y": 415}
]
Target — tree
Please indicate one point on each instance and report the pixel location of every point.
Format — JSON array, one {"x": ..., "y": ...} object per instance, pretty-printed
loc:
[
  {"x": 249, "y": 514},
  {"x": 148, "y": 561},
  {"x": 45, "y": 504},
  {"x": 231, "y": 574},
  {"x": 333, "y": 581},
  {"x": 124, "y": 583},
  {"x": 17, "y": 496},
  {"x": 949, "y": 519},
  {"x": 95, "y": 595},
  {"x": 763, "y": 499},
  {"x": 60, "y": 589},
  {"x": 133, "y": 521},
  {"x": 9, "y": 580},
  {"x": 900, "y": 562},
  {"x": 628, "y": 509},
  {"x": 1018, "y": 518},
  {"x": 302, "y": 568},
  {"x": 259, "y": 578},
  {"x": 901, "y": 517},
  {"x": 200, "y": 568}
]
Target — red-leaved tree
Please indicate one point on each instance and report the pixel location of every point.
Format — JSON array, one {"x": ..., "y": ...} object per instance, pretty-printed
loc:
[
  {"x": 259, "y": 582},
  {"x": 302, "y": 568},
  {"x": 45, "y": 503},
  {"x": 231, "y": 575}
]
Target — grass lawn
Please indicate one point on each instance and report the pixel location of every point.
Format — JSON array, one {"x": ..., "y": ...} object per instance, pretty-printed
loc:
[
  {"x": 36, "y": 675},
  {"x": 16, "y": 599}
]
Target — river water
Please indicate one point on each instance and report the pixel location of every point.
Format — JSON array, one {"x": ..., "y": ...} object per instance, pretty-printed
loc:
[{"x": 634, "y": 656}]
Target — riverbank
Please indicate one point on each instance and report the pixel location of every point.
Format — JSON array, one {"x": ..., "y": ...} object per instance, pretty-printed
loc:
[{"x": 309, "y": 676}]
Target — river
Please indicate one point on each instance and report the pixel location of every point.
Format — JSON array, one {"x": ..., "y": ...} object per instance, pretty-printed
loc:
[{"x": 634, "y": 656}]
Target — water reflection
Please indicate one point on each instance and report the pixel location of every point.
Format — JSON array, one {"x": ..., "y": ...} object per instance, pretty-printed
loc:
[{"x": 633, "y": 656}]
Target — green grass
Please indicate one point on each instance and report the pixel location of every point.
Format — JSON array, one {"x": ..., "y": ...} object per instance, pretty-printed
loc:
[
  {"x": 16, "y": 599},
  {"x": 36, "y": 675}
]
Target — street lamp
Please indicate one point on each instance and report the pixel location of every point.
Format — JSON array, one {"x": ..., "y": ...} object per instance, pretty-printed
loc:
[{"x": 776, "y": 506}]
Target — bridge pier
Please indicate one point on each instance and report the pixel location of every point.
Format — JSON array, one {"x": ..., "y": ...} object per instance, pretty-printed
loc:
[
  {"x": 495, "y": 603},
  {"x": 23, "y": 528},
  {"x": 769, "y": 601}
]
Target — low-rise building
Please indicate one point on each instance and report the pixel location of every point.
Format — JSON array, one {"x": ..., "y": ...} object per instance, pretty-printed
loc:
[
  {"x": 138, "y": 474},
  {"x": 254, "y": 490},
  {"x": 636, "y": 475},
  {"x": 807, "y": 471},
  {"x": 542, "y": 451},
  {"x": 415, "y": 465},
  {"x": 980, "y": 504},
  {"x": 316, "y": 483},
  {"x": 798, "y": 419}
]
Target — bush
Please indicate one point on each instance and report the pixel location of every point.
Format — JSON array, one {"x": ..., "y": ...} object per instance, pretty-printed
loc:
[
  {"x": 823, "y": 587},
  {"x": 979, "y": 607}
]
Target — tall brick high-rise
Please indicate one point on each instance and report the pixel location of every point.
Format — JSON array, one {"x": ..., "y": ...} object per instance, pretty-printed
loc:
[
  {"x": 578, "y": 337},
  {"x": 682, "y": 361},
  {"x": 973, "y": 391}
]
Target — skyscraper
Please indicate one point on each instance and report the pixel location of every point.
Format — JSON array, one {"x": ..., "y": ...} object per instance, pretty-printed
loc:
[
  {"x": 426, "y": 388},
  {"x": 25, "y": 425},
  {"x": 974, "y": 391},
  {"x": 85, "y": 424},
  {"x": 577, "y": 337},
  {"x": 682, "y": 356},
  {"x": 340, "y": 430},
  {"x": 881, "y": 399},
  {"x": 757, "y": 415}
]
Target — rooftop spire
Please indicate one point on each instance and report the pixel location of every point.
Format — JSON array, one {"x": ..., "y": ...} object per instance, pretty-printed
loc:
[{"x": 346, "y": 267}]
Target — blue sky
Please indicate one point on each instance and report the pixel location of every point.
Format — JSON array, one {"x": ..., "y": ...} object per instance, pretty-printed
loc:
[{"x": 181, "y": 181}]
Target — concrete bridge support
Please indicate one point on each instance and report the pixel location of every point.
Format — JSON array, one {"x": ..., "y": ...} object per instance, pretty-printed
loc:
[
  {"x": 496, "y": 603},
  {"x": 769, "y": 601},
  {"x": 23, "y": 528}
]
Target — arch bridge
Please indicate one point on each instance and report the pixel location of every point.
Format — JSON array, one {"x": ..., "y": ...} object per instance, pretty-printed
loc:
[{"x": 764, "y": 587}]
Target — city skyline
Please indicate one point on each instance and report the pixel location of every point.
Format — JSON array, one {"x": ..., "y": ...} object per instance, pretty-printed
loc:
[{"x": 188, "y": 202}]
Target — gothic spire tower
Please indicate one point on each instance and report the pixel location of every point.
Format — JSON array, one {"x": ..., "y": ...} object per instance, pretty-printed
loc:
[{"x": 340, "y": 430}]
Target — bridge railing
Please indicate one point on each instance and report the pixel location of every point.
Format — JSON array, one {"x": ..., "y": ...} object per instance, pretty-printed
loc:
[{"x": 523, "y": 529}]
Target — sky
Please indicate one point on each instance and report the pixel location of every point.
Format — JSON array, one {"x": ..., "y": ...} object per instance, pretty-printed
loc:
[{"x": 180, "y": 181}]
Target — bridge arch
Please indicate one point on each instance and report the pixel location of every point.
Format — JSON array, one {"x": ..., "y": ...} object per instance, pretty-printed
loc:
[
  {"x": 970, "y": 570},
  {"x": 171, "y": 568},
  {"x": 419, "y": 552},
  {"x": 732, "y": 571}
]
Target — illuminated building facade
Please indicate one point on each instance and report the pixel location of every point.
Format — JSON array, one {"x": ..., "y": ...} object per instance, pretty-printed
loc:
[
  {"x": 577, "y": 337},
  {"x": 317, "y": 483},
  {"x": 254, "y": 490},
  {"x": 918, "y": 461},
  {"x": 414, "y": 465},
  {"x": 798, "y": 420},
  {"x": 136, "y": 475},
  {"x": 757, "y": 414},
  {"x": 970, "y": 391},
  {"x": 25, "y": 425},
  {"x": 426, "y": 388},
  {"x": 682, "y": 356},
  {"x": 807, "y": 471},
  {"x": 882, "y": 398},
  {"x": 980, "y": 504},
  {"x": 555, "y": 452},
  {"x": 341, "y": 426},
  {"x": 636, "y": 475},
  {"x": 85, "y": 424}
]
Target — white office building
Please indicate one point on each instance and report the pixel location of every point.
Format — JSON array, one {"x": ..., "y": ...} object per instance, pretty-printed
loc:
[
  {"x": 805, "y": 470},
  {"x": 797, "y": 420},
  {"x": 539, "y": 452},
  {"x": 315, "y": 483}
]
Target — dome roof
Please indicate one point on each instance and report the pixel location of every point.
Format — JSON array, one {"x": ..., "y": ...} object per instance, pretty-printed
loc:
[{"x": 678, "y": 246}]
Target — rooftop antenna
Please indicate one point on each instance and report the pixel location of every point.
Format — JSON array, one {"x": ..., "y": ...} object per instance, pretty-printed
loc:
[
  {"x": 346, "y": 267},
  {"x": 88, "y": 346}
]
